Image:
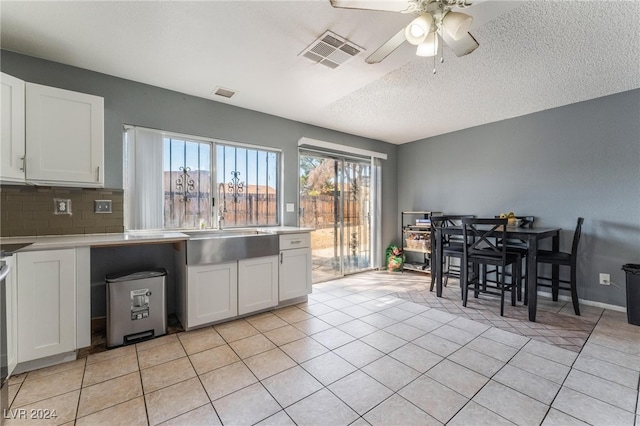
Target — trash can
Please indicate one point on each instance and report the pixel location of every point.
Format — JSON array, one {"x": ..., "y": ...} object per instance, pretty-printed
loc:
[
  {"x": 633, "y": 292},
  {"x": 136, "y": 306}
]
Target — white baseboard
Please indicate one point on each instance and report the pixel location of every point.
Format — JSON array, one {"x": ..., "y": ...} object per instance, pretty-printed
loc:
[{"x": 566, "y": 298}]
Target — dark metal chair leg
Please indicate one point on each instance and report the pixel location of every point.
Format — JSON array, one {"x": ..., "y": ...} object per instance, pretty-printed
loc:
[
  {"x": 501, "y": 283},
  {"x": 555, "y": 279},
  {"x": 574, "y": 291}
]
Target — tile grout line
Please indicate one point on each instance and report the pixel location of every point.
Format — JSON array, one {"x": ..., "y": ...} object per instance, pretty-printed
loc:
[{"x": 385, "y": 354}]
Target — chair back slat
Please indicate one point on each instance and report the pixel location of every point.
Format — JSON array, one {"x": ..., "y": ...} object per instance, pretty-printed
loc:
[
  {"x": 439, "y": 222},
  {"x": 481, "y": 236},
  {"x": 576, "y": 238},
  {"x": 456, "y": 220},
  {"x": 453, "y": 220}
]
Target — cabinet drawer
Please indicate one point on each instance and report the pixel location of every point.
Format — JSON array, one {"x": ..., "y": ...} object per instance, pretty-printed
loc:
[{"x": 294, "y": 241}]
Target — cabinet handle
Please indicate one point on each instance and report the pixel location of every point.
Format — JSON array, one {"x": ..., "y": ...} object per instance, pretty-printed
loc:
[
  {"x": 23, "y": 164},
  {"x": 296, "y": 242},
  {"x": 98, "y": 174},
  {"x": 281, "y": 258}
]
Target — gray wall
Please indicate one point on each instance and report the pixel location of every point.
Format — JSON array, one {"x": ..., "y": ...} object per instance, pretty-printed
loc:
[
  {"x": 128, "y": 102},
  {"x": 578, "y": 160}
]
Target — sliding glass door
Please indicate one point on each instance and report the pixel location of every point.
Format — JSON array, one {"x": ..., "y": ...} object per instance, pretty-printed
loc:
[{"x": 335, "y": 199}]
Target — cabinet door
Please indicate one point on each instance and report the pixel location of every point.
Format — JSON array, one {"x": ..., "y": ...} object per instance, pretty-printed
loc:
[
  {"x": 12, "y": 320},
  {"x": 257, "y": 284},
  {"x": 12, "y": 154},
  {"x": 64, "y": 137},
  {"x": 46, "y": 284},
  {"x": 212, "y": 293},
  {"x": 295, "y": 273}
]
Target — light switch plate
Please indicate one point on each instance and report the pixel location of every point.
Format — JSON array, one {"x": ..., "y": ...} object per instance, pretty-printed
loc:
[
  {"x": 102, "y": 206},
  {"x": 291, "y": 207}
]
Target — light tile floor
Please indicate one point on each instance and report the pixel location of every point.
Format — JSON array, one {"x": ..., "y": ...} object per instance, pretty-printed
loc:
[{"x": 360, "y": 351}]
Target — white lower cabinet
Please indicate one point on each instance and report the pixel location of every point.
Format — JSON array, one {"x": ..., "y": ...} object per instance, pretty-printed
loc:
[
  {"x": 295, "y": 273},
  {"x": 257, "y": 284},
  {"x": 212, "y": 293},
  {"x": 295, "y": 265},
  {"x": 46, "y": 305},
  {"x": 12, "y": 311}
]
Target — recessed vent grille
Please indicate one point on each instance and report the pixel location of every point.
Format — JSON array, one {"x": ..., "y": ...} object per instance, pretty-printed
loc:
[
  {"x": 225, "y": 93},
  {"x": 331, "y": 50}
]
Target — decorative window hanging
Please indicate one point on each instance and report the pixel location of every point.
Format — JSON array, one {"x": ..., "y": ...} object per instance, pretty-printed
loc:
[
  {"x": 183, "y": 180},
  {"x": 235, "y": 187}
]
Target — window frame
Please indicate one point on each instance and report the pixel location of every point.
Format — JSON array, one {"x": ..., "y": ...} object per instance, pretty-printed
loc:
[
  {"x": 279, "y": 180},
  {"x": 214, "y": 142}
]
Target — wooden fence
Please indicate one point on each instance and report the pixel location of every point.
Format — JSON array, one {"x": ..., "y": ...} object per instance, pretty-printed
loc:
[
  {"x": 319, "y": 211},
  {"x": 257, "y": 209}
]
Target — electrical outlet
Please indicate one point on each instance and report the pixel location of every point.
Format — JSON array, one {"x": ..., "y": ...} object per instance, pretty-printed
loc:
[
  {"x": 605, "y": 279},
  {"x": 61, "y": 206},
  {"x": 102, "y": 206},
  {"x": 291, "y": 207}
]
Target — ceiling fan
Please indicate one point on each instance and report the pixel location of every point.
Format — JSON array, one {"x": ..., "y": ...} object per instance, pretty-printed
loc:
[{"x": 435, "y": 20}]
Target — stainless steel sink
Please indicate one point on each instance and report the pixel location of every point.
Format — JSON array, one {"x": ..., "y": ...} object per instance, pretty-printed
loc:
[
  {"x": 223, "y": 233},
  {"x": 216, "y": 246}
]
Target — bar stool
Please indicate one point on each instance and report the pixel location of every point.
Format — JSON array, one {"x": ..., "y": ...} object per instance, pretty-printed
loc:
[
  {"x": 563, "y": 259},
  {"x": 451, "y": 245},
  {"x": 480, "y": 248}
]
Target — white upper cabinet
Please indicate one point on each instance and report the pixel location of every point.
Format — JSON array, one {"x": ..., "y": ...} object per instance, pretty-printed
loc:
[
  {"x": 12, "y": 153},
  {"x": 64, "y": 137},
  {"x": 51, "y": 136}
]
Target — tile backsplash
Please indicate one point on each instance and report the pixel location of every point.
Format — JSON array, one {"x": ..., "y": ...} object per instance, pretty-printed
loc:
[{"x": 29, "y": 210}]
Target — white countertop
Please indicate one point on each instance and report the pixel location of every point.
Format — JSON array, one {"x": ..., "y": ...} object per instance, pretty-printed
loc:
[{"x": 126, "y": 238}]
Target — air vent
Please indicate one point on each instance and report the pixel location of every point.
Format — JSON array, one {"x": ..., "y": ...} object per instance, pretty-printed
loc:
[
  {"x": 331, "y": 50},
  {"x": 225, "y": 93}
]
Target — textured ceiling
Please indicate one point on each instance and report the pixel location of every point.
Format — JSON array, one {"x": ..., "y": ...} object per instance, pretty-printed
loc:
[{"x": 533, "y": 56}]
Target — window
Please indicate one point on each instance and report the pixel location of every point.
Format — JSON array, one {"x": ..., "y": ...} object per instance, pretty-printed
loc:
[
  {"x": 180, "y": 182},
  {"x": 187, "y": 183},
  {"x": 247, "y": 182}
]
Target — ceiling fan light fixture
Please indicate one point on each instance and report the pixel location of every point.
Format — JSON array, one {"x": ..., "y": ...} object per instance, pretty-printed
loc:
[
  {"x": 456, "y": 24},
  {"x": 429, "y": 47},
  {"x": 418, "y": 30}
]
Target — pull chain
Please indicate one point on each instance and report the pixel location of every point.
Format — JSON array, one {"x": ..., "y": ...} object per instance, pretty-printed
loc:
[{"x": 434, "y": 61}]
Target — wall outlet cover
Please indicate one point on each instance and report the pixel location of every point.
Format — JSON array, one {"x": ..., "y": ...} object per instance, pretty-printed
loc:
[
  {"x": 61, "y": 206},
  {"x": 291, "y": 207},
  {"x": 102, "y": 206},
  {"x": 605, "y": 279}
]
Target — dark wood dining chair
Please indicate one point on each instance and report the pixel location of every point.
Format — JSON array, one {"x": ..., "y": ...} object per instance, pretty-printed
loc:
[
  {"x": 451, "y": 246},
  {"x": 563, "y": 259},
  {"x": 520, "y": 247},
  {"x": 480, "y": 248}
]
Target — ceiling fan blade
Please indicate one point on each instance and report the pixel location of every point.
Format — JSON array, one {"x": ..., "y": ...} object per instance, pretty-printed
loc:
[
  {"x": 383, "y": 51},
  {"x": 461, "y": 47},
  {"x": 384, "y": 5}
]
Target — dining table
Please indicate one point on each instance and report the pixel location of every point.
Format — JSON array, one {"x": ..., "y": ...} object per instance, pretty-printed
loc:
[{"x": 531, "y": 236}]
